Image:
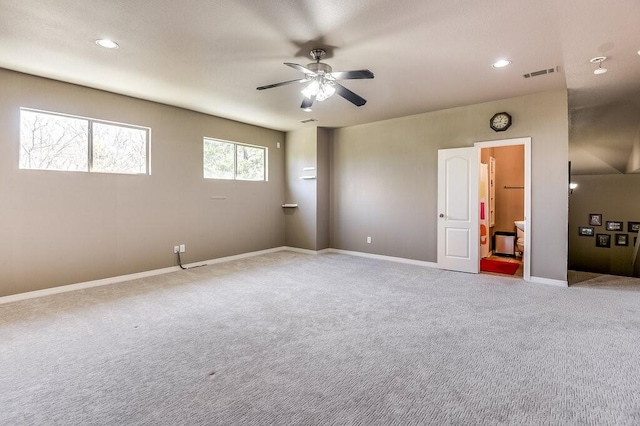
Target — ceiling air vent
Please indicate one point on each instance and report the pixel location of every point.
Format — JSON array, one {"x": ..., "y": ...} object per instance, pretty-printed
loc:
[
  {"x": 541, "y": 72},
  {"x": 308, "y": 120}
]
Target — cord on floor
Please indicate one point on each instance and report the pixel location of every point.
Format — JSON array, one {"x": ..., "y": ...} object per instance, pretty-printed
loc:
[{"x": 184, "y": 267}]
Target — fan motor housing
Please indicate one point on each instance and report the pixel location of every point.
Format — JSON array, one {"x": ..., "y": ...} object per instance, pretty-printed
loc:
[{"x": 319, "y": 68}]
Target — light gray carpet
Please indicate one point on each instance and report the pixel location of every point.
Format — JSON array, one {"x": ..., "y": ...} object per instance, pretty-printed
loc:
[
  {"x": 287, "y": 338},
  {"x": 603, "y": 281}
]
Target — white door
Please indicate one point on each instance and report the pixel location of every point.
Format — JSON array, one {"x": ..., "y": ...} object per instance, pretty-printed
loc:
[{"x": 458, "y": 223}]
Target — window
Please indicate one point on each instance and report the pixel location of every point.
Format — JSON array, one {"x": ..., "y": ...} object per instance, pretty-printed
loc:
[
  {"x": 51, "y": 141},
  {"x": 230, "y": 160}
]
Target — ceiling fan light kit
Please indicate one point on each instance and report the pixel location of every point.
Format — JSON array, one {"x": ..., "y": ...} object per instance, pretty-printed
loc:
[
  {"x": 322, "y": 81},
  {"x": 320, "y": 89}
]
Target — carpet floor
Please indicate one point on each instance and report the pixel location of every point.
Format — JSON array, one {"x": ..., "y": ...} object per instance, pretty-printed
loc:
[{"x": 293, "y": 339}]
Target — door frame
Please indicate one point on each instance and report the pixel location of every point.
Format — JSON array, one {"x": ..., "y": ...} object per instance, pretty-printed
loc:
[{"x": 527, "y": 192}]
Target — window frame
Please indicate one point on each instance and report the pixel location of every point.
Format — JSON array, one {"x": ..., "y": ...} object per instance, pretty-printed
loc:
[
  {"x": 265, "y": 149},
  {"x": 90, "y": 121}
]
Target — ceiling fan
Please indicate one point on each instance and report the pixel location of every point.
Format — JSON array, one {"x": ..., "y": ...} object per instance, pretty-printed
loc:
[{"x": 322, "y": 82}]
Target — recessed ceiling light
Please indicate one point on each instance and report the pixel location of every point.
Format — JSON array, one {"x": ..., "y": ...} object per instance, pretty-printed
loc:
[
  {"x": 501, "y": 63},
  {"x": 598, "y": 59},
  {"x": 107, "y": 44},
  {"x": 638, "y": 52}
]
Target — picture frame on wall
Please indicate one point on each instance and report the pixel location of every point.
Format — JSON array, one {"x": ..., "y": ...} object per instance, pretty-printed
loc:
[
  {"x": 633, "y": 227},
  {"x": 622, "y": 239},
  {"x": 603, "y": 240},
  {"x": 586, "y": 231},
  {"x": 614, "y": 225},
  {"x": 595, "y": 219}
]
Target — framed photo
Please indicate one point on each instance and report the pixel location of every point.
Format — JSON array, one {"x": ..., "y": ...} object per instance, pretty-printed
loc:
[
  {"x": 622, "y": 239},
  {"x": 595, "y": 219},
  {"x": 586, "y": 231},
  {"x": 603, "y": 240},
  {"x": 633, "y": 227},
  {"x": 614, "y": 226}
]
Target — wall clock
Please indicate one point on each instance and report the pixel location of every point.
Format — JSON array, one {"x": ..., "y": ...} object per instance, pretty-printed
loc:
[{"x": 500, "y": 121}]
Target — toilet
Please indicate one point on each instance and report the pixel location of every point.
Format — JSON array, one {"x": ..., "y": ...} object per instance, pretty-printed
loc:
[{"x": 519, "y": 236}]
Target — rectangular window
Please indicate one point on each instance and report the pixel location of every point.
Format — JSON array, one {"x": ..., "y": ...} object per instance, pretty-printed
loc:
[
  {"x": 51, "y": 141},
  {"x": 230, "y": 160}
]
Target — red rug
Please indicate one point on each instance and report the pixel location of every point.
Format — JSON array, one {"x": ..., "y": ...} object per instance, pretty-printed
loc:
[{"x": 497, "y": 266}]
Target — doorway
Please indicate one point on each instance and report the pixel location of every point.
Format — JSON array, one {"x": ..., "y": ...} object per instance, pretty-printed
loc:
[
  {"x": 459, "y": 222},
  {"x": 502, "y": 235},
  {"x": 511, "y": 188}
]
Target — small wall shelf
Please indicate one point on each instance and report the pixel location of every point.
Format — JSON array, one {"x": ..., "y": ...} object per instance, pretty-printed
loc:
[{"x": 290, "y": 206}]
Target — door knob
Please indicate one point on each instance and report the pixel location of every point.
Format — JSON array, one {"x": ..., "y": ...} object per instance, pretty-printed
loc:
[{"x": 441, "y": 215}]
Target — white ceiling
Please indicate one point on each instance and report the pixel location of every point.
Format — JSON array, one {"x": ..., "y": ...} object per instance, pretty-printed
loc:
[{"x": 210, "y": 55}]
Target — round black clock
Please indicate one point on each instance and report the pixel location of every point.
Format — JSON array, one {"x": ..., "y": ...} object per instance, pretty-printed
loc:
[{"x": 500, "y": 121}]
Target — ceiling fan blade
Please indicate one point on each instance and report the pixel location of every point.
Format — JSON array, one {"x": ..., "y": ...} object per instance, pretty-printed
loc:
[
  {"x": 307, "y": 102},
  {"x": 351, "y": 75},
  {"x": 349, "y": 95},
  {"x": 270, "y": 86},
  {"x": 300, "y": 68}
]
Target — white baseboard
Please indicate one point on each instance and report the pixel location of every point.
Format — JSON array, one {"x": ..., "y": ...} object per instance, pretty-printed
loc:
[
  {"x": 81, "y": 286},
  {"x": 238, "y": 256},
  {"x": 129, "y": 277},
  {"x": 549, "y": 281},
  {"x": 382, "y": 257},
  {"x": 537, "y": 280},
  {"x": 306, "y": 251}
]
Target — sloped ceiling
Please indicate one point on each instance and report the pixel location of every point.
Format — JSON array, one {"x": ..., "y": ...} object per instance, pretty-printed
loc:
[
  {"x": 603, "y": 138},
  {"x": 210, "y": 55}
]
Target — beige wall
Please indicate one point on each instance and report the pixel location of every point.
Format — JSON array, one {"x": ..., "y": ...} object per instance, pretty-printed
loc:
[
  {"x": 384, "y": 181},
  {"x": 323, "y": 188},
  {"x": 64, "y": 227},
  {"x": 301, "y": 222},
  {"x": 375, "y": 180},
  {"x": 616, "y": 198},
  {"x": 307, "y": 226}
]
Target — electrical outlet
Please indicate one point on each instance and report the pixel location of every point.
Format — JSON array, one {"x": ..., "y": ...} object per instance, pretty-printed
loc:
[
  {"x": 368, "y": 240},
  {"x": 183, "y": 248},
  {"x": 176, "y": 249}
]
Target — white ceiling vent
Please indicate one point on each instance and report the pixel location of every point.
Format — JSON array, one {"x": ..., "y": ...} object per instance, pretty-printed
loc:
[
  {"x": 541, "y": 72},
  {"x": 308, "y": 120}
]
